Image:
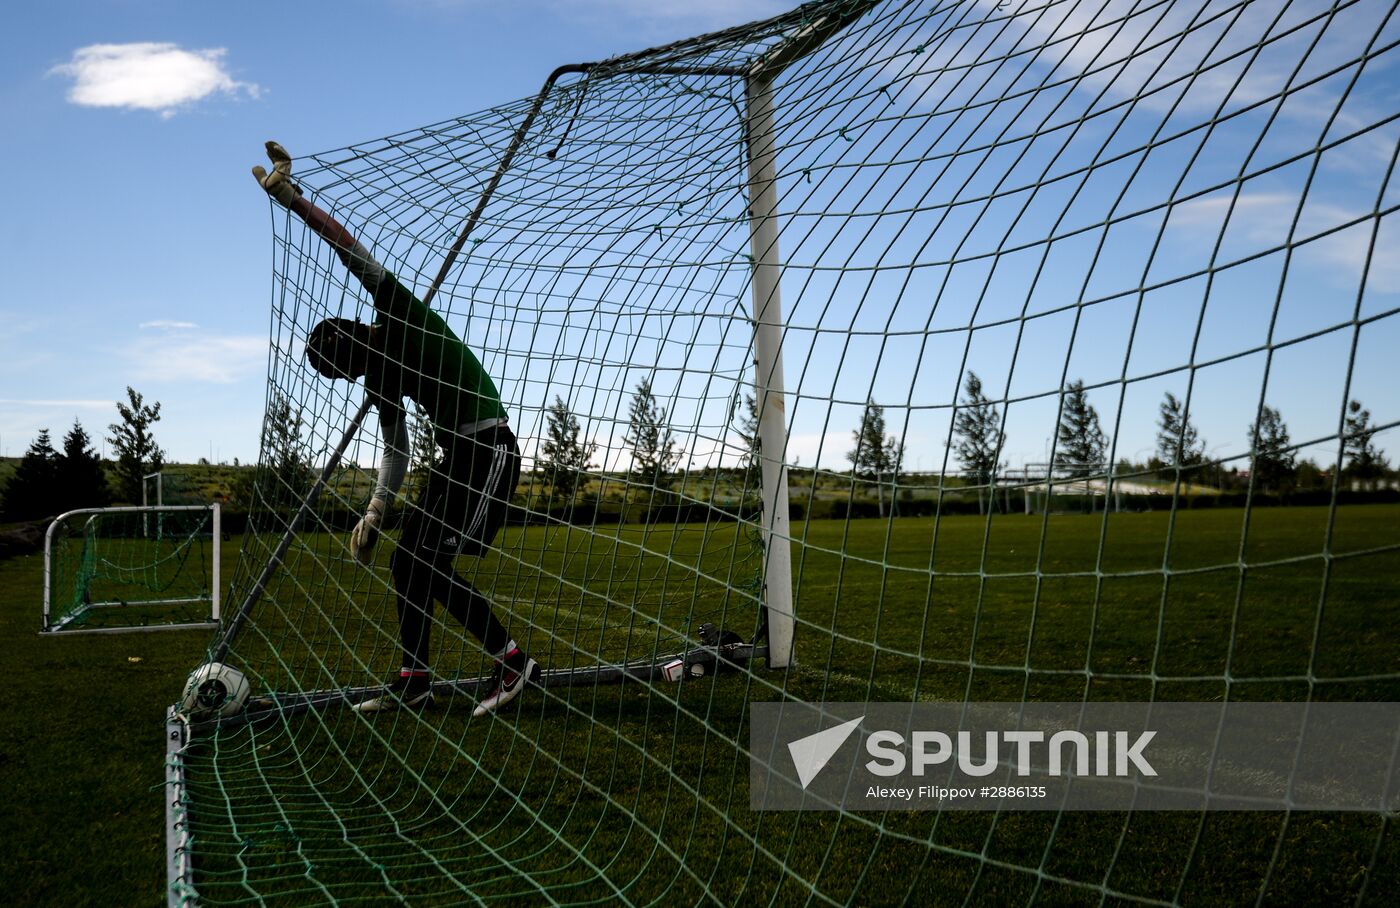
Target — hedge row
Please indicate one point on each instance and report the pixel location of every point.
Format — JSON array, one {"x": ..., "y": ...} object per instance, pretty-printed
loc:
[
  {"x": 610, "y": 513},
  {"x": 26, "y": 538}
]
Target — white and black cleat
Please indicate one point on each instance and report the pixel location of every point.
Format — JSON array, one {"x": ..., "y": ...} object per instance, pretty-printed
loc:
[
  {"x": 400, "y": 694},
  {"x": 509, "y": 683}
]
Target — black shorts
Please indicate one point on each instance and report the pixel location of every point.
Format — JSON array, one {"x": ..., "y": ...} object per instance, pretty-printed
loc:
[{"x": 464, "y": 504}]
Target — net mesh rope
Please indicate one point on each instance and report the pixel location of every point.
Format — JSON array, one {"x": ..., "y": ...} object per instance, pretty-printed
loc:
[{"x": 1142, "y": 197}]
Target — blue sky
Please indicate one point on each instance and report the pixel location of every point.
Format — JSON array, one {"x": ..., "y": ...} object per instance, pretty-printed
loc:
[
  {"x": 141, "y": 252},
  {"x": 138, "y": 245}
]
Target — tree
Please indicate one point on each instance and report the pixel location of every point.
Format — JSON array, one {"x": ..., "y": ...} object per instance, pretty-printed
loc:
[
  {"x": 82, "y": 481},
  {"x": 977, "y": 424},
  {"x": 1272, "y": 462},
  {"x": 750, "y": 462},
  {"x": 654, "y": 453},
  {"x": 1178, "y": 443},
  {"x": 875, "y": 454},
  {"x": 288, "y": 463},
  {"x": 425, "y": 454},
  {"x": 31, "y": 490},
  {"x": 1310, "y": 476},
  {"x": 285, "y": 470},
  {"x": 894, "y": 467},
  {"x": 138, "y": 455},
  {"x": 1366, "y": 463},
  {"x": 565, "y": 456},
  {"x": 1081, "y": 444}
]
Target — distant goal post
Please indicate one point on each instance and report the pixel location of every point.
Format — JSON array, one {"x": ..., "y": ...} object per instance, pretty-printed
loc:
[
  {"x": 138, "y": 568},
  {"x": 1086, "y": 486}
]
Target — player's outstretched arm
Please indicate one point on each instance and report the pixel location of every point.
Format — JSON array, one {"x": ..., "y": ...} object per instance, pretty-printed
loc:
[{"x": 279, "y": 184}]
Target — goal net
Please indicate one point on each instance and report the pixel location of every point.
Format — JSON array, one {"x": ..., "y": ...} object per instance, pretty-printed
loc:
[
  {"x": 132, "y": 568},
  {"x": 842, "y": 214}
]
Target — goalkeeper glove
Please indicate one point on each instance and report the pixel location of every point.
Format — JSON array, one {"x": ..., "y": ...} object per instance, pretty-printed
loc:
[
  {"x": 278, "y": 184},
  {"x": 366, "y": 532}
]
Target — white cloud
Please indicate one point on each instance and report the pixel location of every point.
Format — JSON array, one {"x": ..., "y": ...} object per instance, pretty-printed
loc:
[
  {"x": 664, "y": 20},
  {"x": 148, "y": 76},
  {"x": 166, "y": 324},
  {"x": 1265, "y": 220},
  {"x": 22, "y": 419},
  {"x": 1151, "y": 52},
  {"x": 1265, "y": 207},
  {"x": 720, "y": 12},
  {"x": 1132, "y": 48},
  {"x": 818, "y": 449},
  {"x": 1247, "y": 53},
  {"x": 627, "y": 16},
  {"x": 86, "y": 404},
  {"x": 207, "y": 358}
]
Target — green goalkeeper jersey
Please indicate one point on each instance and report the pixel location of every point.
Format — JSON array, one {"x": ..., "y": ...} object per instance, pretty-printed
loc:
[{"x": 425, "y": 361}]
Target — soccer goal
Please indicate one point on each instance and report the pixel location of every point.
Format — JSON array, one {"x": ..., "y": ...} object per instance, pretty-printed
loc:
[
  {"x": 734, "y": 292},
  {"x": 153, "y": 489},
  {"x": 112, "y": 570},
  {"x": 1069, "y": 487}
]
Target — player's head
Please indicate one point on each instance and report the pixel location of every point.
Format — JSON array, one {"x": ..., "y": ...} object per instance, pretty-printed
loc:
[{"x": 339, "y": 348}]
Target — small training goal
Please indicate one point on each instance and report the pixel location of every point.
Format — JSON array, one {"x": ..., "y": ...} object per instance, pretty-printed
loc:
[{"x": 132, "y": 569}]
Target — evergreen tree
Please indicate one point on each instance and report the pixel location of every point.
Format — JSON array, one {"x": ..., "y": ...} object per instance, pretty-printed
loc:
[
  {"x": 82, "y": 481},
  {"x": 868, "y": 456},
  {"x": 1081, "y": 443},
  {"x": 426, "y": 454},
  {"x": 137, "y": 453},
  {"x": 1178, "y": 442},
  {"x": 1273, "y": 464},
  {"x": 654, "y": 453},
  {"x": 32, "y": 490},
  {"x": 875, "y": 455},
  {"x": 1365, "y": 461},
  {"x": 284, "y": 473},
  {"x": 565, "y": 457},
  {"x": 1309, "y": 476},
  {"x": 750, "y": 463},
  {"x": 894, "y": 469},
  {"x": 288, "y": 463},
  {"x": 977, "y": 424}
]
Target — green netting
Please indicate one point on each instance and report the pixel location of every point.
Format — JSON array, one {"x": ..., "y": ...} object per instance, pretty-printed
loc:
[
  {"x": 112, "y": 569},
  {"x": 1091, "y": 207}
]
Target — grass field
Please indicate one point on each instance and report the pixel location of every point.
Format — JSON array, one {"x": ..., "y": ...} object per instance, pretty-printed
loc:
[{"x": 591, "y": 794}]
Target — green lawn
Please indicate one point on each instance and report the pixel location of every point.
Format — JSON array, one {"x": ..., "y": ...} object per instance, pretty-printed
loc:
[
  {"x": 591, "y": 794},
  {"x": 82, "y": 752}
]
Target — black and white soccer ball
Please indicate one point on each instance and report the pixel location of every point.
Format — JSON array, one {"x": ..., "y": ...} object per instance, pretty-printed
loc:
[{"x": 214, "y": 690}]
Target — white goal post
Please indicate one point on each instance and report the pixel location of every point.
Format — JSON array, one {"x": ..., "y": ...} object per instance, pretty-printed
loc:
[
  {"x": 1091, "y": 481},
  {"x": 129, "y": 560},
  {"x": 160, "y": 489}
]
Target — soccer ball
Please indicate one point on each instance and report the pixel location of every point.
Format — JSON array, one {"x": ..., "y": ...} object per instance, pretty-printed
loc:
[{"x": 214, "y": 689}]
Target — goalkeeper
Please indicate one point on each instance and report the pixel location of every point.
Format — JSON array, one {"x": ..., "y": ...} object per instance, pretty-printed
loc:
[{"x": 409, "y": 351}]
